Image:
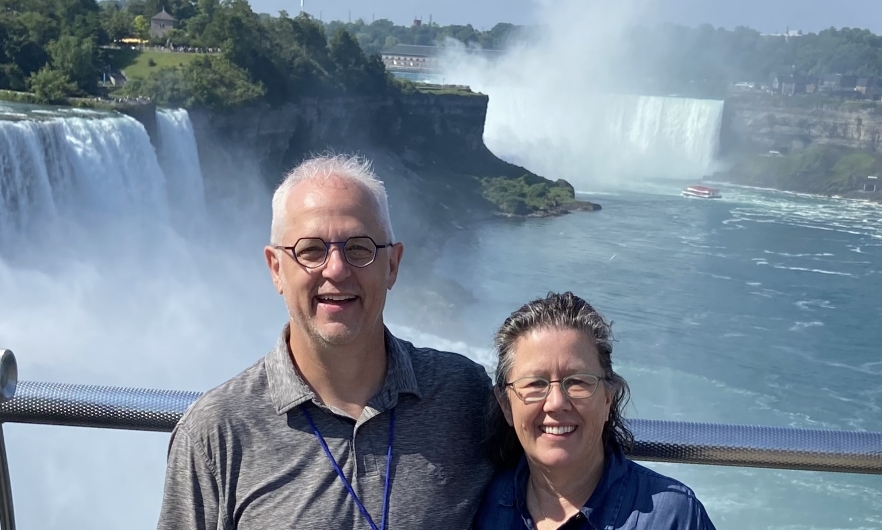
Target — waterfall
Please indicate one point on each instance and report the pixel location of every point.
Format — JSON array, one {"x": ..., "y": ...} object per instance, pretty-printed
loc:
[
  {"x": 104, "y": 279},
  {"x": 179, "y": 159},
  {"x": 587, "y": 137},
  {"x": 62, "y": 174}
]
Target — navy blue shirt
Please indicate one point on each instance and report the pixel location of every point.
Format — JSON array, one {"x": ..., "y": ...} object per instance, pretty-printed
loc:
[{"x": 628, "y": 496}]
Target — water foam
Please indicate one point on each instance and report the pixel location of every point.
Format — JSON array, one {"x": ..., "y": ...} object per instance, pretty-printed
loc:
[{"x": 91, "y": 171}]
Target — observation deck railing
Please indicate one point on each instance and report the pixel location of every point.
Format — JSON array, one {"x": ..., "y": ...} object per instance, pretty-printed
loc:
[{"x": 142, "y": 409}]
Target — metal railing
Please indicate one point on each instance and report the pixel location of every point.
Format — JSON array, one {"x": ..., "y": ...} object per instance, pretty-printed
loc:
[
  {"x": 656, "y": 440},
  {"x": 8, "y": 381}
]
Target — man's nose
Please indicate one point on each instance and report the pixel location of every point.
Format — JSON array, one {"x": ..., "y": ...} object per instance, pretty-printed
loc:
[{"x": 336, "y": 266}]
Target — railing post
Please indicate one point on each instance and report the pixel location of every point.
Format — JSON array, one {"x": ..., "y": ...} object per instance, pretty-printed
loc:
[{"x": 8, "y": 381}]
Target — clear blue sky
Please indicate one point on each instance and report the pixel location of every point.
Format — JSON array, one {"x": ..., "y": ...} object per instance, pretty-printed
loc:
[{"x": 763, "y": 15}]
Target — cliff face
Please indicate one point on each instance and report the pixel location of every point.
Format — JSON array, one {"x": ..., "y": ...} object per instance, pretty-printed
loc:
[
  {"x": 279, "y": 137},
  {"x": 759, "y": 125},
  {"x": 429, "y": 148}
]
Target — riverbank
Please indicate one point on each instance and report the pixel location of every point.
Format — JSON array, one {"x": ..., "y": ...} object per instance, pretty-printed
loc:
[{"x": 824, "y": 169}]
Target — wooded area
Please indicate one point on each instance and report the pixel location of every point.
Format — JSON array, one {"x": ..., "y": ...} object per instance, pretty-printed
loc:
[{"x": 59, "y": 48}]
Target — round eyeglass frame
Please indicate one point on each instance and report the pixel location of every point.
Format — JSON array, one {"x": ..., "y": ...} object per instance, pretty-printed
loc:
[
  {"x": 560, "y": 382},
  {"x": 328, "y": 245}
]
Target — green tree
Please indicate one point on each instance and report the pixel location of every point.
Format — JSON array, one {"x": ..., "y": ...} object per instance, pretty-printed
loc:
[
  {"x": 389, "y": 42},
  {"x": 50, "y": 86},
  {"x": 75, "y": 58},
  {"x": 210, "y": 81},
  {"x": 141, "y": 27},
  {"x": 354, "y": 72},
  {"x": 117, "y": 23},
  {"x": 215, "y": 82}
]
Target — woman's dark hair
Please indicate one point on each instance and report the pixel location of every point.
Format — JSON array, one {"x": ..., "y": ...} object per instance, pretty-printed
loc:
[{"x": 555, "y": 311}]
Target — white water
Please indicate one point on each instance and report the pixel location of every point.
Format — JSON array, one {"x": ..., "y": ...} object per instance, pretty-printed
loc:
[
  {"x": 109, "y": 276},
  {"x": 616, "y": 137},
  {"x": 179, "y": 158},
  {"x": 60, "y": 176}
]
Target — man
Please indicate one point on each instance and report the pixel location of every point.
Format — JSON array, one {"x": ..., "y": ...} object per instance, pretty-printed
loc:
[{"x": 341, "y": 425}]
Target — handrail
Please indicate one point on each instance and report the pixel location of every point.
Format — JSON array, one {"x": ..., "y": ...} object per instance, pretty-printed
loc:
[
  {"x": 144, "y": 409},
  {"x": 8, "y": 384},
  {"x": 656, "y": 440}
]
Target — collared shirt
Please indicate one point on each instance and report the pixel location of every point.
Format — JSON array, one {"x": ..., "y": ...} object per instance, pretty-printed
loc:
[
  {"x": 245, "y": 457},
  {"x": 628, "y": 496}
]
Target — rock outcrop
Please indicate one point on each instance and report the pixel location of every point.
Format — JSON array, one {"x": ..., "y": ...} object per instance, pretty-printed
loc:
[
  {"x": 760, "y": 124},
  {"x": 429, "y": 147}
]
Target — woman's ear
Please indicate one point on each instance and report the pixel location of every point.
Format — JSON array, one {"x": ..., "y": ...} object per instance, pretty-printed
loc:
[{"x": 505, "y": 405}]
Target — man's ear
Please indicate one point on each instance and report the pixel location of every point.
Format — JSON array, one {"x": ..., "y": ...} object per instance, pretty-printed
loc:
[
  {"x": 395, "y": 255},
  {"x": 505, "y": 405},
  {"x": 272, "y": 261}
]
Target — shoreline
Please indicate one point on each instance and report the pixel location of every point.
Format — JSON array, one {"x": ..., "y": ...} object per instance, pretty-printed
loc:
[
  {"x": 564, "y": 209},
  {"x": 873, "y": 201}
]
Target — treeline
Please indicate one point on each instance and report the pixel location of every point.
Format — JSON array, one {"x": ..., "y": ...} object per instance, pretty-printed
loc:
[
  {"x": 57, "y": 48},
  {"x": 383, "y": 34},
  {"x": 669, "y": 51},
  {"x": 50, "y": 46},
  {"x": 716, "y": 54},
  {"x": 273, "y": 59}
]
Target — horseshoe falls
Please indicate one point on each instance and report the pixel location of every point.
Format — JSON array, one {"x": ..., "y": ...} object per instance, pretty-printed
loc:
[{"x": 604, "y": 138}]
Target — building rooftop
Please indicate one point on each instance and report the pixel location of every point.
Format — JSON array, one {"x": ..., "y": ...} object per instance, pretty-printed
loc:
[{"x": 162, "y": 15}]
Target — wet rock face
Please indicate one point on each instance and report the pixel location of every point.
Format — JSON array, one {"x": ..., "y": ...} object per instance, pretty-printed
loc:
[
  {"x": 280, "y": 137},
  {"x": 750, "y": 126}
]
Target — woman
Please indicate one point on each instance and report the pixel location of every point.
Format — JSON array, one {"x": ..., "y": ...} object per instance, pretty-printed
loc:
[{"x": 557, "y": 435}]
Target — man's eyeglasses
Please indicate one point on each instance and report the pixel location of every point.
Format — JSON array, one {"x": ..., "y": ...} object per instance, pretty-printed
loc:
[
  {"x": 312, "y": 252},
  {"x": 535, "y": 389}
]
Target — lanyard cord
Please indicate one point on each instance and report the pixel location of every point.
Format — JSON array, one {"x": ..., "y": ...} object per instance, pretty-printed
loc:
[{"x": 340, "y": 474}]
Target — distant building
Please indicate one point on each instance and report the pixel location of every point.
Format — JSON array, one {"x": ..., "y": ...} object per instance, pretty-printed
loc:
[
  {"x": 787, "y": 35},
  {"x": 425, "y": 59},
  {"x": 837, "y": 82},
  {"x": 868, "y": 86},
  {"x": 790, "y": 84},
  {"x": 871, "y": 184},
  {"x": 812, "y": 84},
  {"x": 116, "y": 79},
  {"x": 161, "y": 23},
  {"x": 411, "y": 57},
  {"x": 744, "y": 86}
]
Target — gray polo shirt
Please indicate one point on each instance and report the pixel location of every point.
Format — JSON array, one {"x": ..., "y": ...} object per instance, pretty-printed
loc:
[{"x": 244, "y": 455}]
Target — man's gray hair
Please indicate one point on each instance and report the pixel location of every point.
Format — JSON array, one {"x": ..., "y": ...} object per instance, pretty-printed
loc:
[
  {"x": 353, "y": 168},
  {"x": 555, "y": 311}
]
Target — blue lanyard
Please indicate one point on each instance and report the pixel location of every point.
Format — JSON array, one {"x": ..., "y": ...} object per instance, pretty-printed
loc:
[{"x": 340, "y": 474}]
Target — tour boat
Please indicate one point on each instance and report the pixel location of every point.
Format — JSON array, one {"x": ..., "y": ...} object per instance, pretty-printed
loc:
[{"x": 702, "y": 192}]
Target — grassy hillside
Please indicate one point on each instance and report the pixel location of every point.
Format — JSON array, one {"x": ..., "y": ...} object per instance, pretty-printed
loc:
[
  {"x": 136, "y": 64},
  {"x": 822, "y": 169}
]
